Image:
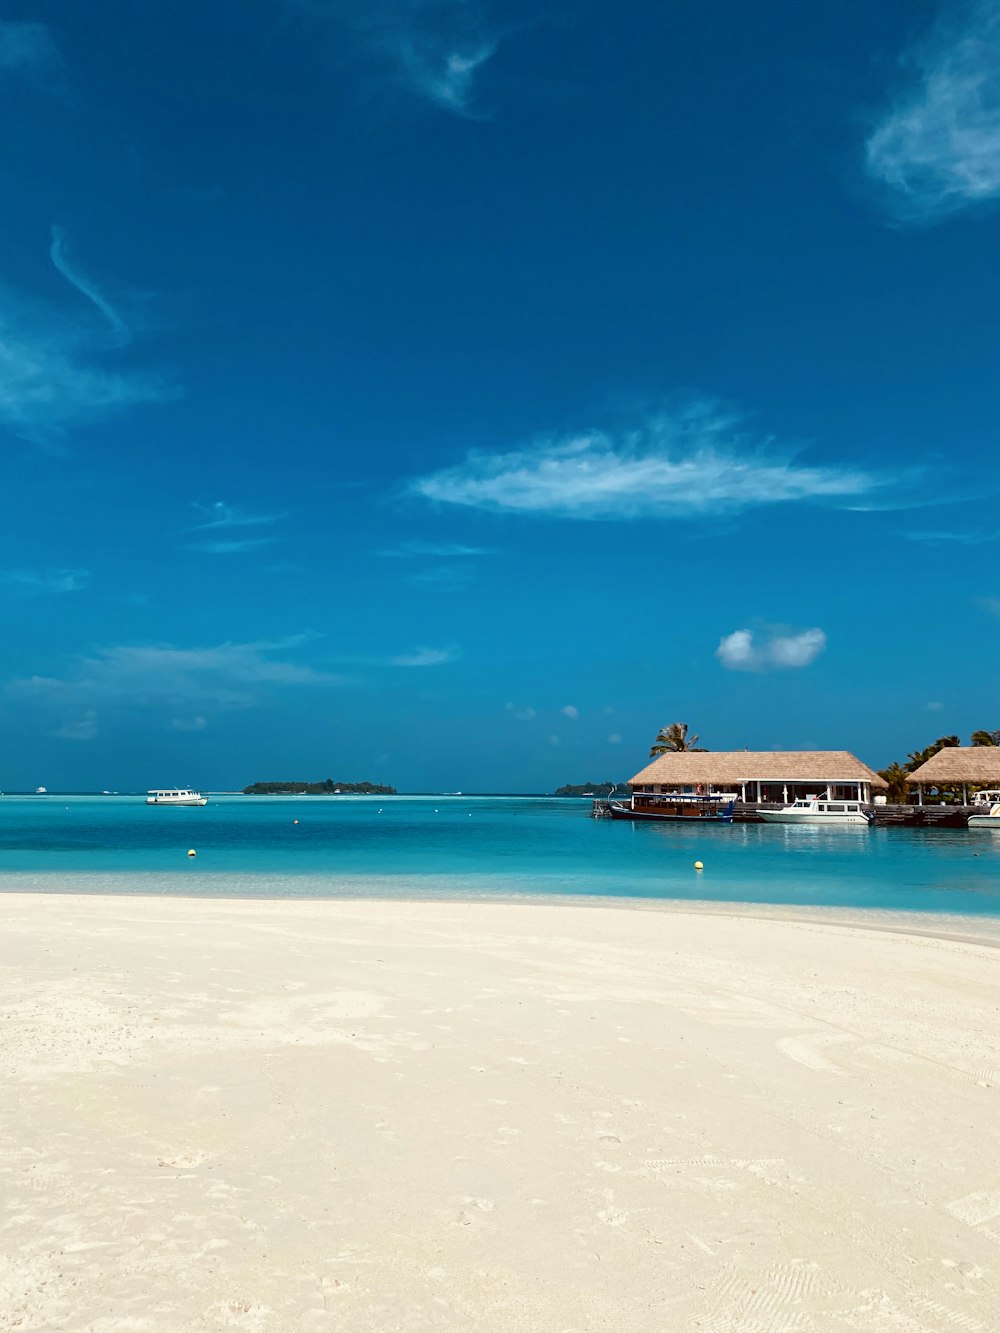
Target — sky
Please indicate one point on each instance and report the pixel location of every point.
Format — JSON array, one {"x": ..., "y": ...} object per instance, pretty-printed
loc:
[{"x": 450, "y": 394}]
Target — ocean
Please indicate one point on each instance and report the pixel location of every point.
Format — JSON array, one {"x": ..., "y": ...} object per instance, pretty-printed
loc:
[{"x": 478, "y": 846}]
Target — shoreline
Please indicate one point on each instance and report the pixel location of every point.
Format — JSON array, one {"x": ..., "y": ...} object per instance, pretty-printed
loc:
[
  {"x": 978, "y": 927},
  {"x": 275, "y": 1114}
]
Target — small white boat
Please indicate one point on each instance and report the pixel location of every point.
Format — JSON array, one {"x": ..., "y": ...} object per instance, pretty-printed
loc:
[
  {"x": 41, "y": 791},
  {"x": 176, "y": 796},
  {"x": 991, "y": 816},
  {"x": 815, "y": 811}
]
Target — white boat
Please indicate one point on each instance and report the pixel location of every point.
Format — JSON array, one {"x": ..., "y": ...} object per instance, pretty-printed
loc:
[
  {"x": 176, "y": 796},
  {"x": 41, "y": 791},
  {"x": 813, "y": 810},
  {"x": 990, "y": 818}
]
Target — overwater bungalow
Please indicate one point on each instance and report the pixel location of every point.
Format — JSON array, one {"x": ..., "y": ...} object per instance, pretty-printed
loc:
[
  {"x": 965, "y": 767},
  {"x": 762, "y": 776}
]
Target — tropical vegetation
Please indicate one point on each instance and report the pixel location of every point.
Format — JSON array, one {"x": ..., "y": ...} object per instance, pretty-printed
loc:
[
  {"x": 898, "y": 775},
  {"x": 674, "y": 738},
  {"x": 327, "y": 788}
]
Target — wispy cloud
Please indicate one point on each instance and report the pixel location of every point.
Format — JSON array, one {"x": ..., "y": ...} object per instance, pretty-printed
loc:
[
  {"x": 234, "y": 546},
  {"x": 443, "y": 550},
  {"x": 57, "y": 371},
  {"x": 28, "y": 49},
  {"x": 219, "y": 514},
  {"x": 41, "y": 582},
  {"x": 970, "y": 537},
  {"x": 523, "y": 714},
  {"x": 442, "y": 578},
  {"x": 229, "y": 675},
  {"x": 58, "y": 253},
  {"x": 81, "y": 729},
  {"x": 615, "y": 738},
  {"x": 423, "y": 656},
  {"x": 433, "y": 49},
  {"x": 937, "y": 150},
  {"x": 443, "y": 71},
  {"x": 570, "y": 711},
  {"x": 745, "y": 650},
  {"x": 700, "y": 461}
]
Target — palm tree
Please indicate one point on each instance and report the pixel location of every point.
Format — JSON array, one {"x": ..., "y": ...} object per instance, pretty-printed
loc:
[
  {"x": 919, "y": 757},
  {"x": 897, "y": 778},
  {"x": 673, "y": 738},
  {"x": 985, "y": 738}
]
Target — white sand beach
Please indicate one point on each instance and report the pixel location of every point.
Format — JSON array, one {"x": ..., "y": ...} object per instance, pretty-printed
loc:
[{"x": 350, "y": 1115}]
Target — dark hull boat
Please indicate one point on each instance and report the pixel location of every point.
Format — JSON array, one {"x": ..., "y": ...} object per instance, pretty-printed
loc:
[{"x": 679, "y": 811}]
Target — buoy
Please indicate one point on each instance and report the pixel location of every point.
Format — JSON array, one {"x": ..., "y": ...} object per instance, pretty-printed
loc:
[
  {"x": 295, "y": 821},
  {"x": 698, "y": 865},
  {"x": 192, "y": 852}
]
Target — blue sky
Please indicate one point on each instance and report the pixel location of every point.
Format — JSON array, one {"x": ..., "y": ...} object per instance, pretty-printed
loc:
[{"x": 450, "y": 393}]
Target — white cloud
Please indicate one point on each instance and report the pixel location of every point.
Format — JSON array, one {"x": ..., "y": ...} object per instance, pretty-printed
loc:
[
  {"x": 28, "y": 49},
  {"x": 442, "y": 578},
  {"x": 42, "y": 581},
  {"x": 570, "y": 711},
  {"x": 938, "y": 149},
  {"x": 423, "y": 656},
  {"x": 694, "y": 463},
  {"x": 743, "y": 650}
]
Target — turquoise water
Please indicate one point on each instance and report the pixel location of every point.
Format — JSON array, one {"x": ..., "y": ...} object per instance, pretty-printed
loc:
[{"x": 442, "y": 846}]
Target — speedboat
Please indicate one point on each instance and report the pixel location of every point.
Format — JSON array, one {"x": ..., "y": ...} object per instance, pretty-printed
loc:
[
  {"x": 810, "y": 810},
  {"x": 991, "y": 817},
  {"x": 176, "y": 796}
]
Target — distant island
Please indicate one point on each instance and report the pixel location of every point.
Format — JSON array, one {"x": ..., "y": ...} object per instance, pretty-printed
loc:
[
  {"x": 588, "y": 789},
  {"x": 327, "y": 788}
]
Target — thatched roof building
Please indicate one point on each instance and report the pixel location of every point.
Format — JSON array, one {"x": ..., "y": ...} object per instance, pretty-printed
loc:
[
  {"x": 761, "y": 775},
  {"x": 960, "y": 766}
]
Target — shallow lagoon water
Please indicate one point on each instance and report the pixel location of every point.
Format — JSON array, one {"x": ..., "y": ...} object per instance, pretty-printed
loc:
[{"x": 473, "y": 846}]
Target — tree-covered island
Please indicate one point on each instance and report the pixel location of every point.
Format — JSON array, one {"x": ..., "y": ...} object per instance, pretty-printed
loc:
[
  {"x": 588, "y": 789},
  {"x": 327, "y": 788}
]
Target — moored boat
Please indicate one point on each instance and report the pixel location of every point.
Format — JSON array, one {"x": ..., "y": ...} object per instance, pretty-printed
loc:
[
  {"x": 675, "y": 809},
  {"x": 818, "y": 811},
  {"x": 175, "y": 796},
  {"x": 990, "y": 817}
]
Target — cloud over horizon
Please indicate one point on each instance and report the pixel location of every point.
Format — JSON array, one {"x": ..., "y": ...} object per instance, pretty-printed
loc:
[
  {"x": 745, "y": 650},
  {"x": 697, "y": 462},
  {"x": 937, "y": 150},
  {"x": 227, "y": 675}
]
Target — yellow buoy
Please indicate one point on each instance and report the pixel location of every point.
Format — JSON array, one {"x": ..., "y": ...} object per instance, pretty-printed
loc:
[
  {"x": 192, "y": 852},
  {"x": 698, "y": 865}
]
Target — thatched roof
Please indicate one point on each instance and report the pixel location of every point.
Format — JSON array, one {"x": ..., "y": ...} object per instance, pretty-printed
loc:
[
  {"x": 956, "y": 764},
  {"x": 720, "y": 767}
]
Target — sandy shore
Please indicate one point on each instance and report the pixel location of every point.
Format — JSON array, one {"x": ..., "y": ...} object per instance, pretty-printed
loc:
[{"x": 432, "y": 1116}]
